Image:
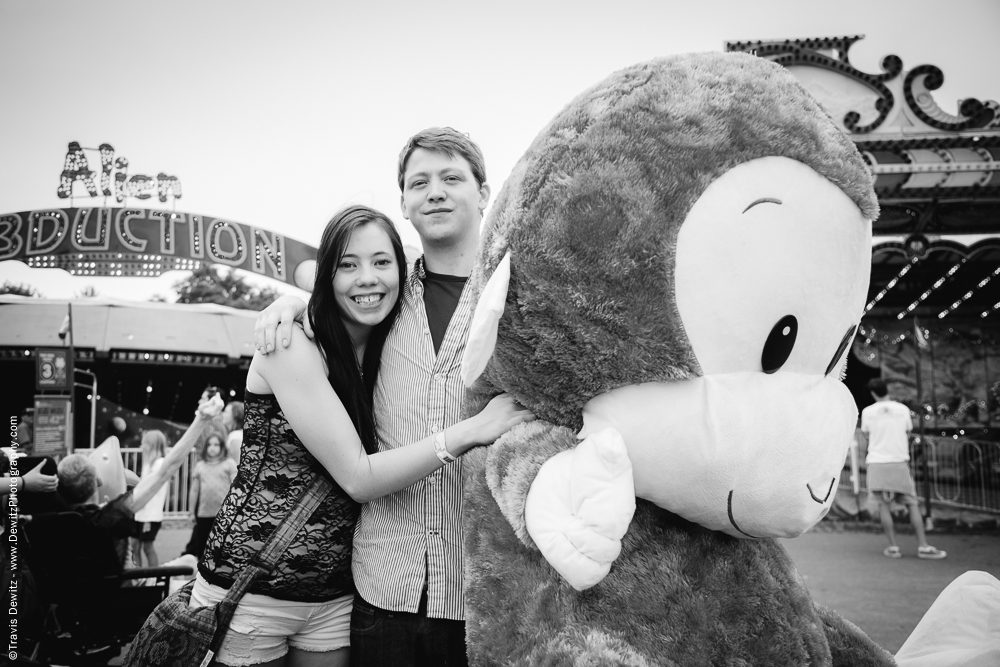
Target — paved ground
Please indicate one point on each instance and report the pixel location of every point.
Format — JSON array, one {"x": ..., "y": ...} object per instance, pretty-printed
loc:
[
  {"x": 886, "y": 597},
  {"x": 172, "y": 538},
  {"x": 845, "y": 571}
]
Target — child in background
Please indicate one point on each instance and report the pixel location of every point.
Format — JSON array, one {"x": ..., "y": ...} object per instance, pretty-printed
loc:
[
  {"x": 210, "y": 483},
  {"x": 149, "y": 518}
]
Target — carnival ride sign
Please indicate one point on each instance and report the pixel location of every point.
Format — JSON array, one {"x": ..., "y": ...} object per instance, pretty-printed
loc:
[
  {"x": 114, "y": 171},
  {"x": 53, "y": 426},
  {"x": 138, "y": 242},
  {"x": 53, "y": 369}
]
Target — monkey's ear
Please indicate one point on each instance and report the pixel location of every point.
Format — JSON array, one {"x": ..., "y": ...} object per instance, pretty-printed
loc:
[{"x": 485, "y": 321}]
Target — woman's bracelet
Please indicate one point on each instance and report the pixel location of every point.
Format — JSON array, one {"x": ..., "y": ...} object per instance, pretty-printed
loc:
[{"x": 441, "y": 449}]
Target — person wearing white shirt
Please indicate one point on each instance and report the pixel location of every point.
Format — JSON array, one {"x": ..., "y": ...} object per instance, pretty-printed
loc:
[
  {"x": 886, "y": 423},
  {"x": 149, "y": 518}
]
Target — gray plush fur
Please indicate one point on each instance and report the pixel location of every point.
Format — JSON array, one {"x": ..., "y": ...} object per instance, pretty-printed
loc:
[
  {"x": 593, "y": 208},
  {"x": 590, "y": 216}
]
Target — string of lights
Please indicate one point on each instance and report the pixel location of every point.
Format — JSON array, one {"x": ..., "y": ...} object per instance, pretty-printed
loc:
[
  {"x": 940, "y": 281},
  {"x": 868, "y": 353},
  {"x": 891, "y": 284},
  {"x": 966, "y": 296},
  {"x": 114, "y": 264},
  {"x": 21, "y": 353},
  {"x": 175, "y": 359},
  {"x": 899, "y": 339}
]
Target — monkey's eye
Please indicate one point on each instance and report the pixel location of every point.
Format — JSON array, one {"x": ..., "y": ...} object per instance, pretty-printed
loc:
[
  {"x": 779, "y": 344},
  {"x": 840, "y": 349}
]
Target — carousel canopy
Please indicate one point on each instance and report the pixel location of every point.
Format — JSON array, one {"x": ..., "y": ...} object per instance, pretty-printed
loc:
[
  {"x": 120, "y": 329},
  {"x": 936, "y": 250}
]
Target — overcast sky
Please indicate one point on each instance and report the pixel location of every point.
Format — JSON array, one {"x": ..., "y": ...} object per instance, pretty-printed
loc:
[{"x": 276, "y": 114}]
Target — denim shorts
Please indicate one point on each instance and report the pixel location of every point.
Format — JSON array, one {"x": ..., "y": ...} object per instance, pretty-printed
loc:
[
  {"x": 893, "y": 482},
  {"x": 263, "y": 628}
]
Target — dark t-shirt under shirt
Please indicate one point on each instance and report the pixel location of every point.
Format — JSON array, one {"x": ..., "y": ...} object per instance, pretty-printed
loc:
[{"x": 441, "y": 296}]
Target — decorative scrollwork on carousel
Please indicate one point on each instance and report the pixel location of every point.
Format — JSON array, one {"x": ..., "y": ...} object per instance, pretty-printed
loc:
[
  {"x": 974, "y": 114},
  {"x": 891, "y": 67},
  {"x": 810, "y": 52}
]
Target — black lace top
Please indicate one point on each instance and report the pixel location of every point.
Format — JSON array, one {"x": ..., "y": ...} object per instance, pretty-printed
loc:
[{"x": 274, "y": 469}]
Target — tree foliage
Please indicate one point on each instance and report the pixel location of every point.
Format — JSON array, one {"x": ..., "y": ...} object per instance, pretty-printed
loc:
[
  {"x": 207, "y": 284},
  {"x": 20, "y": 289}
]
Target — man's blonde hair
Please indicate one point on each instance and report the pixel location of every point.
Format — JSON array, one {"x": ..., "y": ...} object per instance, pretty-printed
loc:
[{"x": 448, "y": 141}]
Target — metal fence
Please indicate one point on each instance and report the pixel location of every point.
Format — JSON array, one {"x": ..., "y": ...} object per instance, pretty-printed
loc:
[
  {"x": 963, "y": 473},
  {"x": 177, "y": 497},
  {"x": 960, "y": 472}
]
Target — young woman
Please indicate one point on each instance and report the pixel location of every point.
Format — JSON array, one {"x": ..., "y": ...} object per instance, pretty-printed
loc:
[
  {"x": 210, "y": 482},
  {"x": 149, "y": 518},
  {"x": 308, "y": 412}
]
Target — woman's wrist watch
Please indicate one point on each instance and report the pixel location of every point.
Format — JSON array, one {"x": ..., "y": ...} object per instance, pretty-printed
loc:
[{"x": 441, "y": 449}]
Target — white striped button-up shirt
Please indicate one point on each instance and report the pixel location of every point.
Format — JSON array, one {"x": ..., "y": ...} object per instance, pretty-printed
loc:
[{"x": 415, "y": 535}]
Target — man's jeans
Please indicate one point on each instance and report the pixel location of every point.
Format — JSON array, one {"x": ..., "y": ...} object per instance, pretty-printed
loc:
[{"x": 381, "y": 638}]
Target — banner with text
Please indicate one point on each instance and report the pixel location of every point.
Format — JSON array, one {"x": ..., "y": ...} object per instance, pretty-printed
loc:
[{"x": 137, "y": 242}]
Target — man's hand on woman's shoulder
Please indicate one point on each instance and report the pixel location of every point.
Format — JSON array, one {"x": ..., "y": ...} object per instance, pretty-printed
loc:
[{"x": 275, "y": 323}]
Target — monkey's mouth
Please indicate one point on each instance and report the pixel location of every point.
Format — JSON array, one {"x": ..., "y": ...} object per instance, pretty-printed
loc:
[
  {"x": 828, "y": 492},
  {"x": 812, "y": 494},
  {"x": 732, "y": 519}
]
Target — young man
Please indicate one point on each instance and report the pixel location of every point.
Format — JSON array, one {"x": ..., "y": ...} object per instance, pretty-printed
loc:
[
  {"x": 886, "y": 424},
  {"x": 407, "y": 565}
]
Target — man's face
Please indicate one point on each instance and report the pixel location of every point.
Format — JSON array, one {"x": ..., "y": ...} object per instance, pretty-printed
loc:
[{"x": 441, "y": 197}]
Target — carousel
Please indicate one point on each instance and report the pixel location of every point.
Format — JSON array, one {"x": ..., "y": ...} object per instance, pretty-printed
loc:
[{"x": 931, "y": 326}]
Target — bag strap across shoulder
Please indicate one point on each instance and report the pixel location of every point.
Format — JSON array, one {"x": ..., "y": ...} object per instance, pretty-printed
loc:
[{"x": 269, "y": 554}]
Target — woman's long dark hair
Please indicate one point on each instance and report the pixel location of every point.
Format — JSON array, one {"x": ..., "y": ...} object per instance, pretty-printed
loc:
[{"x": 331, "y": 335}]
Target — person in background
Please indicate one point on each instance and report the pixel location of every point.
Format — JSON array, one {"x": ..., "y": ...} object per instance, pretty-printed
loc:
[
  {"x": 886, "y": 424},
  {"x": 78, "y": 483},
  {"x": 210, "y": 482},
  {"x": 149, "y": 517},
  {"x": 15, "y": 481},
  {"x": 32, "y": 481},
  {"x": 25, "y": 433},
  {"x": 232, "y": 418}
]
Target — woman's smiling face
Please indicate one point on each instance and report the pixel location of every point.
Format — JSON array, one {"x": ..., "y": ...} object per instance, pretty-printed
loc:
[{"x": 366, "y": 282}]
